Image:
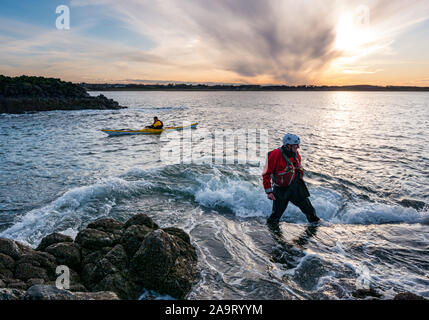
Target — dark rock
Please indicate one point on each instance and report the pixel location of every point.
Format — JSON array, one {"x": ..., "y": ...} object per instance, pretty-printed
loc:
[
  {"x": 418, "y": 205},
  {"x": 30, "y": 265},
  {"x": 117, "y": 283},
  {"x": 52, "y": 239},
  {"x": 107, "y": 225},
  {"x": 102, "y": 269},
  {"x": 107, "y": 256},
  {"x": 162, "y": 265},
  {"x": 24, "y": 249},
  {"x": 113, "y": 262},
  {"x": 133, "y": 237},
  {"x": 118, "y": 257},
  {"x": 141, "y": 219},
  {"x": 10, "y": 248},
  {"x": 66, "y": 253},
  {"x": 45, "y": 292},
  {"x": 87, "y": 274},
  {"x": 11, "y": 294},
  {"x": 364, "y": 293},
  {"x": 7, "y": 265},
  {"x": 408, "y": 296},
  {"x": 108, "y": 274},
  {"x": 178, "y": 233},
  {"x": 91, "y": 256},
  {"x": 75, "y": 278},
  {"x": 94, "y": 239},
  {"x": 2, "y": 284},
  {"x": 102, "y": 295},
  {"x": 34, "y": 281},
  {"x": 17, "y": 285},
  {"x": 26, "y": 271},
  {"x": 23, "y": 94},
  {"x": 38, "y": 258},
  {"x": 78, "y": 287}
]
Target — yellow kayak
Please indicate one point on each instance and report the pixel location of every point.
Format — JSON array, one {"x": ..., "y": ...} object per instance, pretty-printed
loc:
[{"x": 146, "y": 131}]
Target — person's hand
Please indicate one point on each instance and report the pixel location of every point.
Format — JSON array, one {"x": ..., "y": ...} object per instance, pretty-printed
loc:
[{"x": 271, "y": 196}]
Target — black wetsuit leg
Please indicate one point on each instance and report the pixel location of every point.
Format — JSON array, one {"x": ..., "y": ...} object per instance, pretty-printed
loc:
[
  {"x": 279, "y": 205},
  {"x": 306, "y": 207},
  {"x": 296, "y": 193},
  {"x": 300, "y": 199}
]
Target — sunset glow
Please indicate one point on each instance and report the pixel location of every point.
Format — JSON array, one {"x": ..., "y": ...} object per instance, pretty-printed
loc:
[{"x": 243, "y": 41}]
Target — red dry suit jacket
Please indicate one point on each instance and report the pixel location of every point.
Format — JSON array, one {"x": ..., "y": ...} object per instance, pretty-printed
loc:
[{"x": 278, "y": 171}]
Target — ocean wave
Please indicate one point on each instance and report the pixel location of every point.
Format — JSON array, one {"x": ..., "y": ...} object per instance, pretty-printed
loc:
[
  {"x": 247, "y": 200},
  {"x": 71, "y": 211},
  {"x": 225, "y": 190},
  {"x": 218, "y": 188}
]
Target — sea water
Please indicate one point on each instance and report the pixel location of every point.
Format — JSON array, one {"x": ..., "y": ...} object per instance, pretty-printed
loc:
[{"x": 365, "y": 154}]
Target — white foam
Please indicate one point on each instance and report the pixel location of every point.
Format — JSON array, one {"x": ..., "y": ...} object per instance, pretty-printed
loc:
[
  {"x": 245, "y": 200},
  {"x": 378, "y": 213},
  {"x": 241, "y": 197},
  {"x": 68, "y": 212}
]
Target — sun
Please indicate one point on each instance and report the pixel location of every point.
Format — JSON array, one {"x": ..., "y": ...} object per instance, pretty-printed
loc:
[{"x": 352, "y": 34}]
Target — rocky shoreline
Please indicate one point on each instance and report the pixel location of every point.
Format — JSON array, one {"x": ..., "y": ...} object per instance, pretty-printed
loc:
[
  {"x": 108, "y": 260},
  {"x": 33, "y": 94}
]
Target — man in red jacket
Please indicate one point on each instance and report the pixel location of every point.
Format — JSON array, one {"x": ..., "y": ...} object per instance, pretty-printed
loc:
[{"x": 283, "y": 181}]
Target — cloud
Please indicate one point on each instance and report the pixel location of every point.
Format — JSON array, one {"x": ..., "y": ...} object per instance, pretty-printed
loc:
[
  {"x": 292, "y": 42},
  {"x": 284, "y": 41}
]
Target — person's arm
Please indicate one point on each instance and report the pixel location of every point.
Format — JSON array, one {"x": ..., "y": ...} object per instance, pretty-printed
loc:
[
  {"x": 300, "y": 169},
  {"x": 266, "y": 176}
]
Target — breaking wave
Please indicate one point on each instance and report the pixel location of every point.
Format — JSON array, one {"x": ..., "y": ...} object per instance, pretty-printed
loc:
[{"x": 222, "y": 189}]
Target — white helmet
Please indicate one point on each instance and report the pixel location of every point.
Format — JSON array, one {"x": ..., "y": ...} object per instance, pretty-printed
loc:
[{"x": 290, "y": 138}]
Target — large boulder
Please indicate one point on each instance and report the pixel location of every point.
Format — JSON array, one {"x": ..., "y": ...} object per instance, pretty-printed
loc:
[
  {"x": 46, "y": 292},
  {"x": 107, "y": 256},
  {"x": 52, "y": 239},
  {"x": 116, "y": 282},
  {"x": 164, "y": 263},
  {"x": 408, "y": 296},
  {"x": 27, "y": 271},
  {"x": 94, "y": 239},
  {"x": 141, "y": 219},
  {"x": 133, "y": 237},
  {"x": 7, "y": 265},
  {"x": 30, "y": 265},
  {"x": 12, "y": 248},
  {"x": 107, "y": 225},
  {"x": 178, "y": 233},
  {"x": 108, "y": 272},
  {"x": 66, "y": 253}
]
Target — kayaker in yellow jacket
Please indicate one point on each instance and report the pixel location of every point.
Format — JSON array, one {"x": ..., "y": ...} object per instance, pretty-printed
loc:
[{"x": 157, "y": 124}]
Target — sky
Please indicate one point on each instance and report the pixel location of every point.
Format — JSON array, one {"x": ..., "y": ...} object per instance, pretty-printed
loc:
[{"x": 317, "y": 42}]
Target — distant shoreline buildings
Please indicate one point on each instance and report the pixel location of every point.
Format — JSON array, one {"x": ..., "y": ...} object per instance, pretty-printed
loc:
[{"x": 228, "y": 87}]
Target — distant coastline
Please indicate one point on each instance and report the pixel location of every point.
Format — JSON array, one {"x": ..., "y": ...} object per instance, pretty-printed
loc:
[
  {"x": 32, "y": 94},
  {"x": 203, "y": 87}
]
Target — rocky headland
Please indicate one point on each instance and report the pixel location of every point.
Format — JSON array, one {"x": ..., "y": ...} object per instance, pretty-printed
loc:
[
  {"x": 26, "y": 94},
  {"x": 108, "y": 260}
]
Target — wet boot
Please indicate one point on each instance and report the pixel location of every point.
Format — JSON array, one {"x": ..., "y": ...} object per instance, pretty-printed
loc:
[
  {"x": 273, "y": 222},
  {"x": 312, "y": 218}
]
